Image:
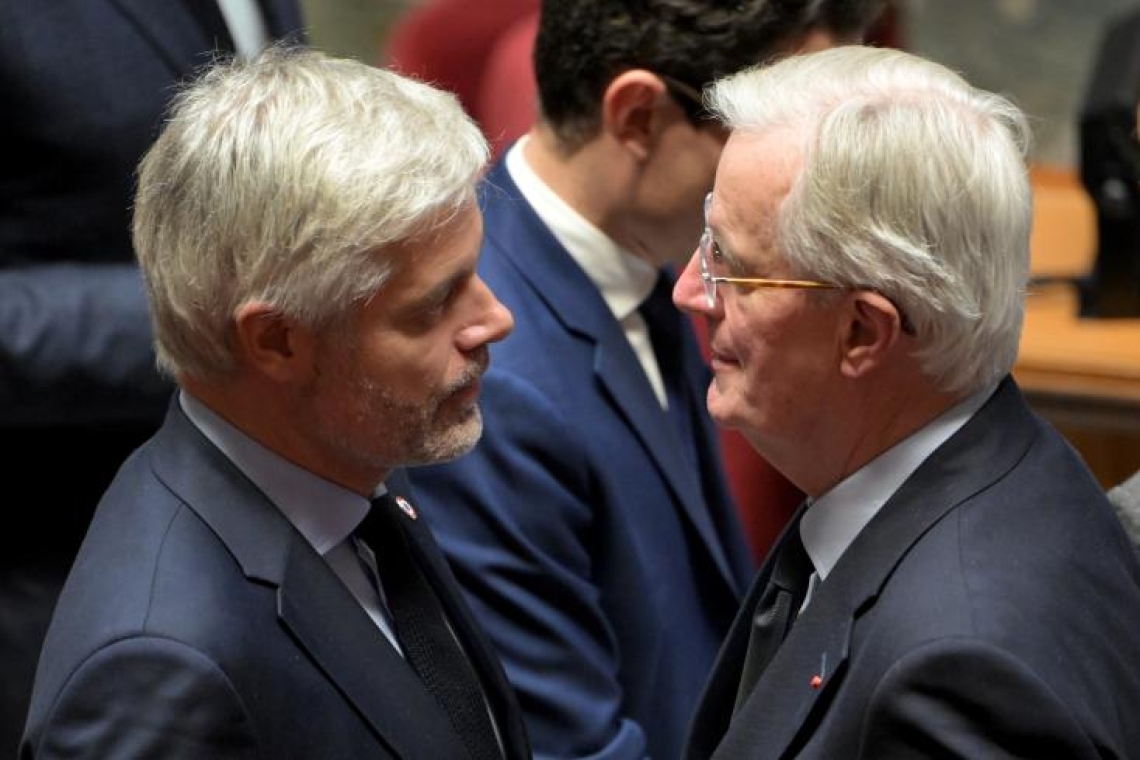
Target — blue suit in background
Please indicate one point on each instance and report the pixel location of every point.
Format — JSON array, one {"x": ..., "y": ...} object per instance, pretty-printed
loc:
[
  {"x": 83, "y": 86},
  {"x": 605, "y": 566}
]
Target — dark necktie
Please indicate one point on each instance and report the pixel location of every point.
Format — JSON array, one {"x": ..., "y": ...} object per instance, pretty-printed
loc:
[
  {"x": 776, "y": 610},
  {"x": 429, "y": 644},
  {"x": 666, "y": 326}
]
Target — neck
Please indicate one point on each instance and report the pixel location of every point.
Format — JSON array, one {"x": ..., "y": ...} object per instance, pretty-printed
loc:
[
  {"x": 267, "y": 417},
  {"x": 862, "y": 427},
  {"x": 595, "y": 179}
]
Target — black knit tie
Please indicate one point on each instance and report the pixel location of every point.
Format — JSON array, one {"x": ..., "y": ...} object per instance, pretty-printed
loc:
[{"x": 429, "y": 643}]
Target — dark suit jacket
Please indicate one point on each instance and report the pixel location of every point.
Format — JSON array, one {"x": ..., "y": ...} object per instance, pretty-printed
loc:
[
  {"x": 604, "y": 566},
  {"x": 197, "y": 623},
  {"x": 83, "y": 87},
  {"x": 991, "y": 609}
]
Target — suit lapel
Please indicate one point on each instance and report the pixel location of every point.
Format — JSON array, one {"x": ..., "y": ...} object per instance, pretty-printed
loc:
[
  {"x": 177, "y": 37},
  {"x": 332, "y": 628},
  {"x": 171, "y": 30},
  {"x": 785, "y": 699},
  {"x": 577, "y": 305},
  {"x": 322, "y": 616}
]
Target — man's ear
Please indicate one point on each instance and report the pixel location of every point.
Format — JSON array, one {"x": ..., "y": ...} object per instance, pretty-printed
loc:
[
  {"x": 272, "y": 344},
  {"x": 871, "y": 334},
  {"x": 631, "y": 110}
]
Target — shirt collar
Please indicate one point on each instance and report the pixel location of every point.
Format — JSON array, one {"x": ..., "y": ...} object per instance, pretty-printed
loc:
[
  {"x": 321, "y": 511},
  {"x": 831, "y": 522},
  {"x": 624, "y": 280}
]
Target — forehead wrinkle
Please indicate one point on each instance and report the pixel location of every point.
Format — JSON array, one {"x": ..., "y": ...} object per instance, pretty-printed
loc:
[{"x": 756, "y": 174}]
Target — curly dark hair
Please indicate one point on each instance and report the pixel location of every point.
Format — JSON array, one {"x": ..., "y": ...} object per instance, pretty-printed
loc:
[{"x": 583, "y": 44}]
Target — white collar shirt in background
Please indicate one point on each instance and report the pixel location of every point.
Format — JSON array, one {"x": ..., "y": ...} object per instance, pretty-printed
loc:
[
  {"x": 246, "y": 25},
  {"x": 623, "y": 280}
]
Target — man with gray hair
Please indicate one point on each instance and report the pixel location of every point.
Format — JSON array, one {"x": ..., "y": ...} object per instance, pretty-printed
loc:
[
  {"x": 957, "y": 584},
  {"x": 255, "y": 582}
]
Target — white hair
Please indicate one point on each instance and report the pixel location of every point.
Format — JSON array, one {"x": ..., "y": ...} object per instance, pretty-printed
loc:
[
  {"x": 914, "y": 185},
  {"x": 288, "y": 180}
]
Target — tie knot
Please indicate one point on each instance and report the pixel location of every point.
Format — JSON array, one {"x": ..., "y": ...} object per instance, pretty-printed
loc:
[
  {"x": 793, "y": 566},
  {"x": 379, "y": 527}
]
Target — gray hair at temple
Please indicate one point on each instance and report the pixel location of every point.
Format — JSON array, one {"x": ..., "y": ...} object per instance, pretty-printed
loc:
[
  {"x": 289, "y": 180},
  {"x": 914, "y": 184}
]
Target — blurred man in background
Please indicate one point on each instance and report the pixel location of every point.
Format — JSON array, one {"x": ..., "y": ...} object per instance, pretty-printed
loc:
[
  {"x": 592, "y": 527},
  {"x": 83, "y": 85}
]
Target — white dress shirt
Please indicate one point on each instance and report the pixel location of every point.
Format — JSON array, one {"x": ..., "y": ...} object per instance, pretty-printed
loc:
[
  {"x": 246, "y": 25},
  {"x": 623, "y": 280}
]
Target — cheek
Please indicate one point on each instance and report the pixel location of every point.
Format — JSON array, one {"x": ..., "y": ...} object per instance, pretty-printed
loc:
[
  {"x": 767, "y": 354},
  {"x": 413, "y": 368}
]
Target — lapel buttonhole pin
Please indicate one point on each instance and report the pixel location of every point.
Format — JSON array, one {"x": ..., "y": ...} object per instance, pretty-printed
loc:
[
  {"x": 409, "y": 510},
  {"x": 816, "y": 682}
]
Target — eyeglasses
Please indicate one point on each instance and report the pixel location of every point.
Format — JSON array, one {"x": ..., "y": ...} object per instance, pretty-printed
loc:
[
  {"x": 688, "y": 98},
  {"x": 710, "y": 281}
]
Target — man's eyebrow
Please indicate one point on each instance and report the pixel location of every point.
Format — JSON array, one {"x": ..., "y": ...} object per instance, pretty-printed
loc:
[
  {"x": 730, "y": 259},
  {"x": 441, "y": 290}
]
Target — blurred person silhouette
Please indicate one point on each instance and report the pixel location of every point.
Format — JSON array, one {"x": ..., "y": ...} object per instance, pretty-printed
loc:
[
  {"x": 83, "y": 84},
  {"x": 255, "y": 581},
  {"x": 1125, "y": 497},
  {"x": 592, "y": 527},
  {"x": 957, "y": 583}
]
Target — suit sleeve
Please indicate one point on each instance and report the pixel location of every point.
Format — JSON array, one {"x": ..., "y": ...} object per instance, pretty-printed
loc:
[
  {"x": 75, "y": 346},
  {"x": 516, "y": 520},
  {"x": 145, "y": 697},
  {"x": 961, "y": 698}
]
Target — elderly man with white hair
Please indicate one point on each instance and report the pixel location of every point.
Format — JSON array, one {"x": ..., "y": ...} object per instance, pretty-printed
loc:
[{"x": 957, "y": 584}]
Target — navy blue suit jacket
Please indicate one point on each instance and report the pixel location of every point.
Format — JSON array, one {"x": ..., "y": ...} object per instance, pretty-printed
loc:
[
  {"x": 197, "y": 623},
  {"x": 604, "y": 567},
  {"x": 83, "y": 88},
  {"x": 990, "y": 609}
]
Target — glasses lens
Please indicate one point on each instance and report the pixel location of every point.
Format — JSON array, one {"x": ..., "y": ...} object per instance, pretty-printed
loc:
[{"x": 703, "y": 251}]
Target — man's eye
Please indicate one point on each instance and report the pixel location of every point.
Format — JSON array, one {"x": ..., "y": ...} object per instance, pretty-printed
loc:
[{"x": 717, "y": 254}]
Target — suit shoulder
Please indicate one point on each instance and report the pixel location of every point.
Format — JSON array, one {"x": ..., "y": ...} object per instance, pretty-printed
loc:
[{"x": 145, "y": 696}]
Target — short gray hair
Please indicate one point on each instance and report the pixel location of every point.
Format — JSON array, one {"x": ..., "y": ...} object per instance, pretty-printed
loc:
[
  {"x": 287, "y": 180},
  {"x": 914, "y": 184}
]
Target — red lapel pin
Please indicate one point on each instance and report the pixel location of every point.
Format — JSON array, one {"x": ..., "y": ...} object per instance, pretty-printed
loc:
[{"x": 817, "y": 680}]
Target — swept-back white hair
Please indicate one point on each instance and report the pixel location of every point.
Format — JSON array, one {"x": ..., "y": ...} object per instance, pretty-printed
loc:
[
  {"x": 914, "y": 185},
  {"x": 288, "y": 180}
]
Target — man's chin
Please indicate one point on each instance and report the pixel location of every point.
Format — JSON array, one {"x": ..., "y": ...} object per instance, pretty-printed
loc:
[
  {"x": 724, "y": 413},
  {"x": 455, "y": 441}
]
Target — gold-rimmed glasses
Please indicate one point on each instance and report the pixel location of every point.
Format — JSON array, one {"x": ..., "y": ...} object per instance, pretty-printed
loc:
[{"x": 710, "y": 281}]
